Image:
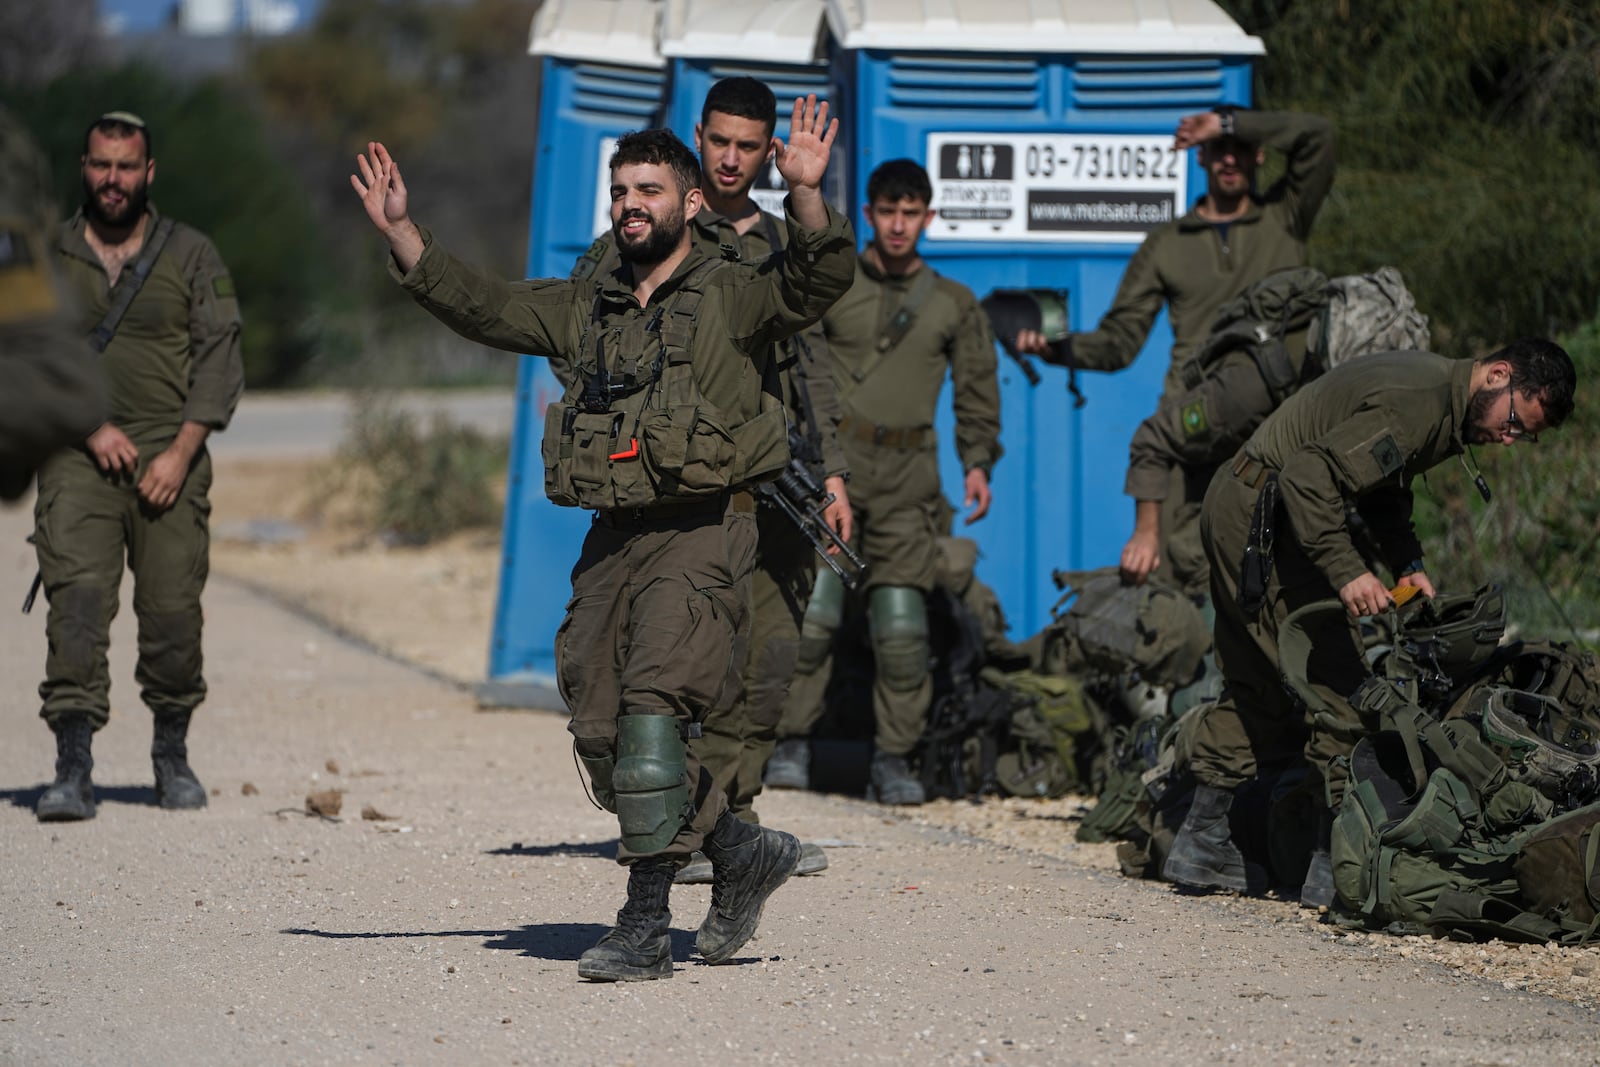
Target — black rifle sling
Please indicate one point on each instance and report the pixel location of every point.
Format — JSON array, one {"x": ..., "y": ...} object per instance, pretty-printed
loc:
[
  {"x": 900, "y": 323},
  {"x": 128, "y": 286}
]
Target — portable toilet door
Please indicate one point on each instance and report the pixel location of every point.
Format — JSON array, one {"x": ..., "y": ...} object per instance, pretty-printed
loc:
[
  {"x": 601, "y": 76},
  {"x": 1046, "y": 127},
  {"x": 780, "y": 42}
]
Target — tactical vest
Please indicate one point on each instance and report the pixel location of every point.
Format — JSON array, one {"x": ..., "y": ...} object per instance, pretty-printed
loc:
[{"x": 634, "y": 430}]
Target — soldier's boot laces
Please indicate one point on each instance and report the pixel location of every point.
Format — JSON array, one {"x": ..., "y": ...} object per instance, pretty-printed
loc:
[
  {"x": 177, "y": 787},
  {"x": 639, "y": 947},
  {"x": 790, "y": 764},
  {"x": 71, "y": 796},
  {"x": 1317, "y": 890},
  {"x": 1203, "y": 854},
  {"x": 749, "y": 862},
  {"x": 893, "y": 782}
]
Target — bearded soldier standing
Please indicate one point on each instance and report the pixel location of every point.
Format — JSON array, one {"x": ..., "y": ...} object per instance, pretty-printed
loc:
[{"x": 672, "y": 414}]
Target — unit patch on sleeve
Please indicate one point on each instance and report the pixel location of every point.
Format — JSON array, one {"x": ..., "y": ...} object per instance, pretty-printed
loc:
[
  {"x": 223, "y": 287},
  {"x": 1194, "y": 419},
  {"x": 1386, "y": 454}
]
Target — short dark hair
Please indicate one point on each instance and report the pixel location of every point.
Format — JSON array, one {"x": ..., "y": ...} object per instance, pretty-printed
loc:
[
  {"x": 899, "y": 179},
  {"x": 121, "y": 124},
  {"x": 1541, "y": 369},
  {"x": 661, "y": 147},
  {"x": 745, "y": 97}
]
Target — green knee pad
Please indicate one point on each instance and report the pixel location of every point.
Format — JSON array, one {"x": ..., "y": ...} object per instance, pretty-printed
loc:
[
  {"x": 651, "y": 780},
  {"x": 824, "y": 613},
  {"x": 898, "y": 615}
]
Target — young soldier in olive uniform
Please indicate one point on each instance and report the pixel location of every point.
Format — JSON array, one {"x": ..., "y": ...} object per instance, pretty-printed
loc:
[
  {"x": 735, "y": 140},
  {"x": 1233, "y": 238},
  {"x": 54, "y": 395},
  {"x": 893, "y": 338},
  {"x": 138, "y": 485},
  {"x": 1354, "y": 438},
  {"x": 672, "y": 414}
]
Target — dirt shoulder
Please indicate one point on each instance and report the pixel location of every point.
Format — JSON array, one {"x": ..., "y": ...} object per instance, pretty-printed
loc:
[{"x": 433, "y": 607}]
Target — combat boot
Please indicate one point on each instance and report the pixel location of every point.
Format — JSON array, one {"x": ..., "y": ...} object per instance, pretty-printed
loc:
[
  {"x": 1203, "y": 854},
  {"x": 177, "y": 788},
  {"x": 1317, "y": 890},
  {"x": 698, "y": 870},
  {"x": 71, "y": 796},
  {"x": 749, "y": 862},
  {"x": 893, "y": 782},
  {"x": 639, "y": 947},
  {"x": 790, "y": 765}
]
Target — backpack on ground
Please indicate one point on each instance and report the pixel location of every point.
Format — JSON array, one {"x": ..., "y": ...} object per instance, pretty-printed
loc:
[{"x": 1104, "y": 628}]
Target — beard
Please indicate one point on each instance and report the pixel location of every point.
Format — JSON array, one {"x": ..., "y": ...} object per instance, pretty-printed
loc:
[
  {"x": 658, "y": 244},
  {"x": 1475, "y": 429},
  {"x": 126, "y": 215}
]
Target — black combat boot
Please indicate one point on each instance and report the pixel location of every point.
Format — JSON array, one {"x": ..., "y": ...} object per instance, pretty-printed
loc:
[
  {"x": 790, "y": 764},
  {"x": 1317, "y": 890},
  {"x": 177, "y": 788},
  {"x": 71, "y": 796},
  {"x": 749, "y": 862},
  {"x": 1203, "y": 854},
  {"x": 639, "y": 947},
  {"x": 893, "y": 782}
]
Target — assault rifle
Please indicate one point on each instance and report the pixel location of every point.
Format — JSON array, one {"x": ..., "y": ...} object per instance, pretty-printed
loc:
[{"x": 798, "y": 492}]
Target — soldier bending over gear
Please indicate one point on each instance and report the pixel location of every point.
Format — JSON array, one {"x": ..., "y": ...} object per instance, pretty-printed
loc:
[
  {"x": 1275, "y": 528},
  {"x": 671, "y": 414}
]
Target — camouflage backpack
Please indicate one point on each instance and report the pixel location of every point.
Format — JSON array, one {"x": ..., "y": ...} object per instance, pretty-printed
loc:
[{"x": 1368, "y": 313}]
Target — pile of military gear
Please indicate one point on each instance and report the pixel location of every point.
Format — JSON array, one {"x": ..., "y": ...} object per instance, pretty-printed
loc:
[{"x": 1473, "y": 805}]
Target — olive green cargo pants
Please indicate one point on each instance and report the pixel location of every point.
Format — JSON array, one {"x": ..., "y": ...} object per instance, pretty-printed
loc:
[
  {"x": 738, "y": 738},
  {"x": 657, "y": 625},
  {"x": 896, "y": 498},
  {"x": 85, "y": 524},
  {"x": 1256, "y": 720}
]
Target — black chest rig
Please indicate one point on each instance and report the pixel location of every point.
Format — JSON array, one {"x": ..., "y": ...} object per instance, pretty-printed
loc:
[{"x": 633, "y": 428}]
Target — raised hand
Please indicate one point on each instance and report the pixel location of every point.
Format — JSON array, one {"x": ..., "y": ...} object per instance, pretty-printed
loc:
[
  {"x": 804, "y": 160},
  {"x": 1196, "y": 129},
  {"x": 380, "y": 187}
]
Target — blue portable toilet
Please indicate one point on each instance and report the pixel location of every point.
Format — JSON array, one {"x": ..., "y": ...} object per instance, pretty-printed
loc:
[
  {"x": 1046, "y": 126},
  {"x": 601, "y": 76},
  {"x": 781, "y": 42}
]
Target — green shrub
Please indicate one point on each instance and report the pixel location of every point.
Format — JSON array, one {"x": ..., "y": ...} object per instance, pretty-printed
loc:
[{"x": 422, "y": 485}]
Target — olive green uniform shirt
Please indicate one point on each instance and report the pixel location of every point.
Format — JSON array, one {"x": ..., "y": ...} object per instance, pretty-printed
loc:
[
  {"x": 899, "y": 388},
  {"x": 1361, "y": 433},
  {"x": 1193, "y": 269},
  {"x": 745, "y": 309},
  {"x": 175, "y": 357}
]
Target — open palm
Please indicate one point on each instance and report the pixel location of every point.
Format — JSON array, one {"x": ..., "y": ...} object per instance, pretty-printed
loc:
[{"x": 804, "y": 159}]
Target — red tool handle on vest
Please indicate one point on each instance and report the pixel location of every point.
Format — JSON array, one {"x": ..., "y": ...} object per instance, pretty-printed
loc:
[{"x": 631, "y": 453}]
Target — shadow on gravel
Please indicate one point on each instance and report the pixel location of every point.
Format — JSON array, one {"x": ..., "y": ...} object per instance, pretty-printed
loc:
[
  {"x": 606, "y": 850},
  {"x": 114, "y": 794},
  {"x": 568, "y": 941}
]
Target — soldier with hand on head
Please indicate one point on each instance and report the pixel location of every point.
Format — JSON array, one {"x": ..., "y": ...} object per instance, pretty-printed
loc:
[
  {"x": 1235, "y": 236},
  {"x": 1276, "y": 530},
  {"x": 670, "y": 417},
  {"x": 893, "y": 338},
  {"x": 735, "y": 138},
  {"x": 158, "y": 303}
]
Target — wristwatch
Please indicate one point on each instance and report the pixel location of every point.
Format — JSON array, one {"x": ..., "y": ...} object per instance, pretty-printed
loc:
[{"x": 1225, "y": 113}]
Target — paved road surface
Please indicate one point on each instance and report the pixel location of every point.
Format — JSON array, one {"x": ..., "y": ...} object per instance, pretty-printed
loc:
[{"x": 252, "y": 934}]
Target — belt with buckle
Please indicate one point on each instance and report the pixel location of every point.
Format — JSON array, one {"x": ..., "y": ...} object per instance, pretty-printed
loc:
[
  {"x": 886, "y": 436},
  {"x": 673, "y": 511}
]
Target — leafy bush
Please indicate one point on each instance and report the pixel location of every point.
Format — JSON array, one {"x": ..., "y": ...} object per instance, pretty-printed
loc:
[{"x": 420, "y": 485}]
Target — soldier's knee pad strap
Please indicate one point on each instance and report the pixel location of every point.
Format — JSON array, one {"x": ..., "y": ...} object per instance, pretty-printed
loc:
[
  {"x": 899, "y": 620},
  {"x": 651, "y": 782},
  {"x": 824, "y": 613}
]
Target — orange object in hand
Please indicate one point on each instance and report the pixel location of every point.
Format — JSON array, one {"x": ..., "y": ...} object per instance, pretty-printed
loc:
[{"x": 1400, "y": 594}]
